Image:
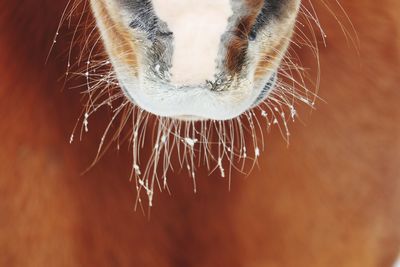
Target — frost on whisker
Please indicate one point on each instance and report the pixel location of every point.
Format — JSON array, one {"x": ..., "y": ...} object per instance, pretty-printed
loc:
[
  {"x": 190, "y": 142},
  {"x": 86, "y": 122}
]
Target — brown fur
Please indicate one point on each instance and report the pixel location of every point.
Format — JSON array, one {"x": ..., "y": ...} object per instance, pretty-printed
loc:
[
  {"x": 330, "y": 199},
  {"x": 121, "y": 37},
  {"x": 267, "y": 60},
  {"x": 237, "y": 47}
]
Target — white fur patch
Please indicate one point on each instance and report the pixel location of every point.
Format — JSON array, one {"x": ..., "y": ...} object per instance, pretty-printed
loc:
[{"x": 197, "y": 26}]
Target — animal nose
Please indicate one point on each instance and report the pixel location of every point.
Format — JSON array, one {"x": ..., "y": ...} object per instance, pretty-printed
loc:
[{"x": 197, "y": 28}]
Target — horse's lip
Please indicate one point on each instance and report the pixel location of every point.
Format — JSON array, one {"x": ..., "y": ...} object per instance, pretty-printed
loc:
[{"x": 196, "y": 116}]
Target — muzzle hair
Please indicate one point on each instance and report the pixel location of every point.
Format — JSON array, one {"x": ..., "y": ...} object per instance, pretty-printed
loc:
[{"x": 221, "y": 145}]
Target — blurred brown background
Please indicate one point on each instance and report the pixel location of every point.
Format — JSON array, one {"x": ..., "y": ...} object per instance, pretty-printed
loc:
[{"x": 330, "y": 199}]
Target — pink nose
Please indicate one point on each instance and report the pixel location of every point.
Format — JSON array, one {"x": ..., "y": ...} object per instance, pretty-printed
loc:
[{"x": 197, "y": 27}]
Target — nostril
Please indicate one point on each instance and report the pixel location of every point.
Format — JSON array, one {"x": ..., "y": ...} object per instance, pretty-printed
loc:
[{"x": 252, "y": 35}]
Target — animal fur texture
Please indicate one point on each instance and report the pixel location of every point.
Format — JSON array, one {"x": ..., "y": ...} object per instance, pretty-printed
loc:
[{"x": 329, "y": 199}]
